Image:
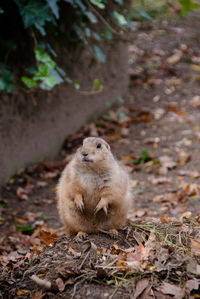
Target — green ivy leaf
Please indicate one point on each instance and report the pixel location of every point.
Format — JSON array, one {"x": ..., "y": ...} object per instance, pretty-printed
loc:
[
  {"x": 48, "y": 83},
  {"x": 120, "y": 2},
  {"x": 120, "y": 18},
  {"x": 76, "y": 84},
  {"x": 31, "y": 69},
  {"x": 25, "y": 229},
  {"x": 35, "y": 13},
  {"x": 187, "y": 5},
  {"x": 107, "y": 34},
  {"x": 6, "y": 80},
  {"x": 99, "y": 54},
  {"x": 97, "y": 84},
  {"x": 98, "y": 3},
  {"x": 93, "y": 19},
  {"x": 143, "y": 14},
  {"x": 54, "y": 74},
  {"x": 96, "y": 36},
  {"x": 43, "y": 57},
  {"x": 43, "y": 71},
  {"x": 120, "y": 100},
  {"x": 54, "y": 7},
  {"x": 28, "y": 82}
]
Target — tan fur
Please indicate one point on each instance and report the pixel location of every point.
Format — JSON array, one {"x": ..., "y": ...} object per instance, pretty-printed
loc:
[{"x": 93, "y": 191}]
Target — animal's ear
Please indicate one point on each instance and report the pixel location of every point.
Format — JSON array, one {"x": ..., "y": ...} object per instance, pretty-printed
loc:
[{"x": 107, "y": 145}]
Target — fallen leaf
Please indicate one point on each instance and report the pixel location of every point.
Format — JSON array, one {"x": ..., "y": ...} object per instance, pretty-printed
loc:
[
  {"x": 164, "y": 218},
  {"x": 170, "y": 289},
  {"x": 140, "y": 287},
  {"x": 159, "y": 180},
  {"x": 183, "y": 158},
  {"x": 21, "y": 193},
  {"x": 159, "y": 113},
  {"x": 195, "y": 101},
  {"x": 47, "y": 238},
  {"x": 192, "y": 284},
  {"x": 22, "y": 292},
  {"x": 60, "y": 284},
  {"x": 171, "y": 197},
  {"x": 175, "y": 58},
  {"x": 195, "y": 247},
  {"x": 188, "y": 189},
  {"x": 195, "y": 67},
  {"x": 37, "y": 295},
  {"x": 116, "y": 246},
  {"x": 66, "y": 272},
  {"x": 185, "y": 215},
  {"x": 192, "y": 174},
  {"x": 134, "y": 183},
  {"x": 193, "y": 267},
  {"x": 166, "y": 163},
  {"x": 50, "y": 174}
]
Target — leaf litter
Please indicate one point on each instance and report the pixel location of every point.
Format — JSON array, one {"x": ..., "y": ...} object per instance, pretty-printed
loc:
[{"x": 157, "y": 254}]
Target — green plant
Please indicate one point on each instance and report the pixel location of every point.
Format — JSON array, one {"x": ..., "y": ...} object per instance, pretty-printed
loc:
[
  {"x": 187, "y": 5},
  {"x": 144, "y": 158},
  {"x": 93, "y": 21},
  {"x": 26, "y": 26}
]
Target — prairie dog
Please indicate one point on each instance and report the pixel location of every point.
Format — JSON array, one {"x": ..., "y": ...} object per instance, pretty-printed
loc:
[{"x": 93, "y": 191}]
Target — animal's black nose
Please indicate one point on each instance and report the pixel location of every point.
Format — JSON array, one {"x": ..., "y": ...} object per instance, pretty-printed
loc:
[{"x": 84, "y": 154}]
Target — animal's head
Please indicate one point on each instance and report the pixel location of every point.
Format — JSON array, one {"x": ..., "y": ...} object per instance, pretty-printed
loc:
[{"x": 94, "y": 152}]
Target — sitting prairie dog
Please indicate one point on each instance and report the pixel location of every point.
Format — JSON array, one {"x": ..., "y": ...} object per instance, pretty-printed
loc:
[{"x": 93, "y": 191}]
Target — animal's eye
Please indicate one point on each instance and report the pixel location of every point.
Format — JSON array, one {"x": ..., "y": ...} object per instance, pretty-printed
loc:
[{"x": 99, "y": 145}]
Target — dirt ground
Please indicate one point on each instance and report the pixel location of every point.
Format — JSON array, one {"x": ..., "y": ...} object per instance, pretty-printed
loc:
[{"x": 156, "y": 135}]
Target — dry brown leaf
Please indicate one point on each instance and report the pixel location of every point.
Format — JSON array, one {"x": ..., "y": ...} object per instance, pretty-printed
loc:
[
  {"x": 37, "y": 295},
  {"x": 171, "y": 197},
  {"x": 193, "y": 267},
  {"x": 60, "y": 284},
  {"x": 185, "y": 215},
  {"x": 195, "y": 247},
  {"x": 195, "y": 67},
  {"x": 21, "y": 193},
  {"x": 159, "y": 180},
  {"x": 140, "y": 287},
  {"x": 159, "y": 113},
  {"x": 162, "y": 254},
  {"x": 166, "y": 163},
  {"x": 66, "y": 272},
  {"x": 164, "y": 218},
  {"x": 195, "y": 101},
  {"x": 22, "y": 292},
  {"x": 183, "y": 158},
  {"x": 170, "y": 289},
  {"x": 192, "y": 174},
  {"x": 47, "y": 238},
  {"x": 188, "y": 189},
  {"x": 158, "y": 198},
  {"x": 50, "y": 174},
  {"x": 192, "y": 284},
  {"x": 43, "y": 283},
  {"x": 175, "y": 58}
]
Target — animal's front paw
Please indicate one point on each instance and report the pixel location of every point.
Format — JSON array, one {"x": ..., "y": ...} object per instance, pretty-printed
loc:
[
  {"x": 78, "y": 200},
  {"x": 81, "y": 236},
  {"x": 113, "y": 233},
  {"x": 103, "y": 204}
]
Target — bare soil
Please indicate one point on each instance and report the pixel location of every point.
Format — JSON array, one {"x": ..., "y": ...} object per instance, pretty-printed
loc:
[{"x": 158, "y": 119}]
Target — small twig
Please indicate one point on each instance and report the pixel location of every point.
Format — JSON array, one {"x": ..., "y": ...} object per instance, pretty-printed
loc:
[
  {"x": 90, "y": 92},
  {"x": 114, "y": 292},
  {"x": 86, "y": 256},
  {"x": 75, "y": 287},
  {"x": 43, "y": 283}
]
